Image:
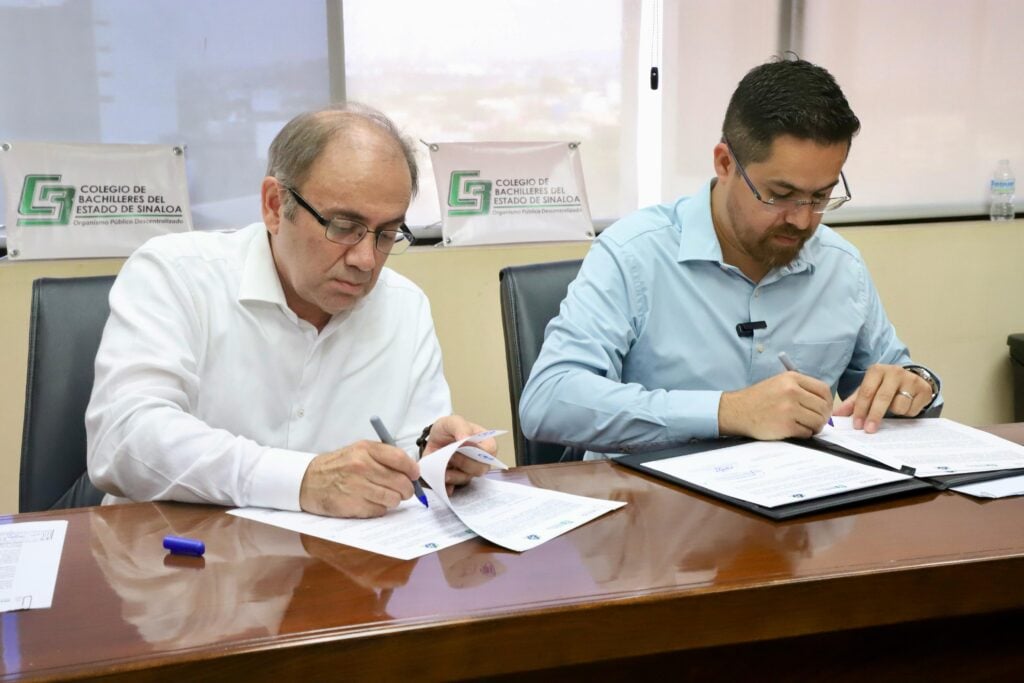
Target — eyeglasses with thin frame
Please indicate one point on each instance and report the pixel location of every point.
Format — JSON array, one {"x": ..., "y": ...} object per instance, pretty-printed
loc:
[
  {"x": 347, "y": 231},
  {"x": 784, "y": 204}
]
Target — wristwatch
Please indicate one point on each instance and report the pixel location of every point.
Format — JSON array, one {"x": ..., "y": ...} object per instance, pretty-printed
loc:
[{"x": 927, "y": 376}]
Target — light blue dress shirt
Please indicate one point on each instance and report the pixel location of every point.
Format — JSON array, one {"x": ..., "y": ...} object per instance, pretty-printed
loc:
[{"x": 646, "y": 341}]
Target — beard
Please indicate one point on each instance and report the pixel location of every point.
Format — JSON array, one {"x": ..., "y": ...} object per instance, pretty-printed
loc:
[
  {"x": 758, "y": 243},
  {"x": 771, "y": 254}
]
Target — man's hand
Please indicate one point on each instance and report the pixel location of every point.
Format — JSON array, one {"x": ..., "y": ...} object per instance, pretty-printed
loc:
[
  {"x": 460, "y": 468},
  {"x": 365, "y": 479},
  {"x": 783, "y": 406},
  {"x": 885, "y": 389}
]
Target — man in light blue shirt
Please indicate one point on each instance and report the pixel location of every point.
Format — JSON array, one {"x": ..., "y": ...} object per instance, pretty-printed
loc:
[{"x": 673, "y": 328}]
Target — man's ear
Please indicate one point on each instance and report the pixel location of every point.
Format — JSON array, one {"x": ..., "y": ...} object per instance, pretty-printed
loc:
[
  {"x": 723, "y": 161},
  {"x": 271, "y": 203}
]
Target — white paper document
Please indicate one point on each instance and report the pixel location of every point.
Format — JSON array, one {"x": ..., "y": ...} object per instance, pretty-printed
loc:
[
  {"x": 29, "y": 560},
  {"x": 510, "y": 515},
  {"x": 994, "y": 488},
  {"x": 521, "y": 517},
  {"x": 773, "y": 473},
  {"x": 408, "y": 531},
  {"x": 932, "y": 446}
]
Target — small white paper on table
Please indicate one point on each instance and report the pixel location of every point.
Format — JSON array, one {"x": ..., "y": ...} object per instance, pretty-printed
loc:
[
  {"x": 995, "y": 488},
  {"x": 29, "y": 559},
  {"x": 773, "y": 473}
]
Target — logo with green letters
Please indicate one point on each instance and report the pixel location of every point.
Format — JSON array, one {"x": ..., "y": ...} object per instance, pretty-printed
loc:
[
  {"x": 43, "y": 202},
  {"x": 468, "y": 197}
]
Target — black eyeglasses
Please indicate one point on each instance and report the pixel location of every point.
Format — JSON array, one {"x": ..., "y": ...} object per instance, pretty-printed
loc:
[
  {"x": 348, "y": 231},
  {"x": 784, "y": 204}
]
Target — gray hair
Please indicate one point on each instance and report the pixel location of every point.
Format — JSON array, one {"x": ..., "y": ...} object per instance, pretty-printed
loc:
[{"x": 299, "y": 144}]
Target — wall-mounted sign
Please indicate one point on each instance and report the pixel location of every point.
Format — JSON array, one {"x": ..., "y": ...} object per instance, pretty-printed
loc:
[
  {"x": 68, "y": 200},
  {"x": 499, "y": 192}
]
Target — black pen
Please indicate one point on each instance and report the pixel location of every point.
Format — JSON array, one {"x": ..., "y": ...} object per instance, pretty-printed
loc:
[{"x": 385, "y": 436}]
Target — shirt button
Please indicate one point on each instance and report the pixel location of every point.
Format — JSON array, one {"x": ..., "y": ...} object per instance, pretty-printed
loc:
[
  {"x": 760, "y": 348},
  {"x": 757, "y": 293},
  {"x": 300, "y": 412}
]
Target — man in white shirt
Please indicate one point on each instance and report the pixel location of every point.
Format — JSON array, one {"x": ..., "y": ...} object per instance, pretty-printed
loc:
[{"x": 242, "y": 369}]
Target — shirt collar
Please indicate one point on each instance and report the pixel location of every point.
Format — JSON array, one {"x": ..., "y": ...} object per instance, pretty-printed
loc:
[
  {"x": 260, "y": 281},
  {"x": 699, "y": 242}
]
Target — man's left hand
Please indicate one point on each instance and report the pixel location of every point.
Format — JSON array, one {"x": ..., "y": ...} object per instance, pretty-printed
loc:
[
  {"x": 885, "y": 389},
  {"x": 460, "y": 468}
]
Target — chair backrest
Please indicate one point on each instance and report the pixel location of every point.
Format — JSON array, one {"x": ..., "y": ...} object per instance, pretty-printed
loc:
[
  {"x": 68, "y": 315},
  {"x": 530, "y": 297}
]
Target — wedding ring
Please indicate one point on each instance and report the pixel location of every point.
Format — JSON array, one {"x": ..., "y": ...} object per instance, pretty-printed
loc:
[{"x": 906, "y": 393}]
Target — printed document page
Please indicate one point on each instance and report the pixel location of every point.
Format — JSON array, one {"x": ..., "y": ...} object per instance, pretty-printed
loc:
[
  {"x": 515, "y": 516},
  {"x": 29, "y": 560},
  {"x": 408, "y": 531},
  {"x": 521, "y": 517},
  {"x": 773, "y": 473},
  {"x": 932, "y": 446}
]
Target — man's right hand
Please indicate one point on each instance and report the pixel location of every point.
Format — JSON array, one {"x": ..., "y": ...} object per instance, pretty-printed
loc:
[
  {"x": 786, "y": 405},
  {"x": 365, "y": 479}
]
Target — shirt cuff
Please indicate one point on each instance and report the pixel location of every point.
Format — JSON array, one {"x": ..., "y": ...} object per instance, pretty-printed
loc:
[
  {"x": 694, "y": 414},
  {"x": 277, "y": 480}
]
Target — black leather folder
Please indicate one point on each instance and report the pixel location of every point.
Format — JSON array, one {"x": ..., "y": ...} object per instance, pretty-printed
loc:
[{"x": 789, "y": 510}]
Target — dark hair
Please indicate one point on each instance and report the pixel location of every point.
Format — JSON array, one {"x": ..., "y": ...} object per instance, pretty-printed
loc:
[
  {"x": 786, "y": 97},
  {"x": 298, "y": 145}
]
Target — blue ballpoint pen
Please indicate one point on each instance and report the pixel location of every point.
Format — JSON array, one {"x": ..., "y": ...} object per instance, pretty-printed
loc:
[
  {"x": 385, "y": 436},
  {"x": 788, "y": 364}
]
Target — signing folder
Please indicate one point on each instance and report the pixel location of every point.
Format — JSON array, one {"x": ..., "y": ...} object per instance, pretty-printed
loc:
[{"x": 777, "y": 479}]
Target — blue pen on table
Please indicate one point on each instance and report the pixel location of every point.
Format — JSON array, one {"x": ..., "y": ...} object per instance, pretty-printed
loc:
[
  {"x": 385, "y": 436},
  {"x": 184, "y": 546},
  {"x": 789, "y": 365}
]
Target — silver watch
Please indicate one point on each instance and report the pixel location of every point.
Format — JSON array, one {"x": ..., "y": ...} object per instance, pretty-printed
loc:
[{"x": 927, "y": 376}]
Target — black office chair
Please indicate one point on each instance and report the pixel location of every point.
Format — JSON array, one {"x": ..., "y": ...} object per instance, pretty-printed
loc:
[
  {"x": 68, "y": 316},
  {"x": 530, "y": 297}
]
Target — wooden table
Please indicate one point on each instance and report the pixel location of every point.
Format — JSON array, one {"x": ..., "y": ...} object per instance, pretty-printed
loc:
[{"x": 928, "y": 586}]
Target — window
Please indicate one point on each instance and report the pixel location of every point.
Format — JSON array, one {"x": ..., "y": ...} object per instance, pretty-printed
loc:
[
  {"x": 220, "y": 77},
  {"x": 504, "y": 70},
  {"x": 701, "y": 68},
  {"x": 933, "y": 81}
]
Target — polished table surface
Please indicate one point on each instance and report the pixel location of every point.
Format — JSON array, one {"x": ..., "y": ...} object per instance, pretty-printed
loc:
[{"x": 671, "y": 579}]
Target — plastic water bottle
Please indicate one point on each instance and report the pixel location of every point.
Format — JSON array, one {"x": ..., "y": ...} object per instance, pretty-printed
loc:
[{"x": 1001, "y": 192}]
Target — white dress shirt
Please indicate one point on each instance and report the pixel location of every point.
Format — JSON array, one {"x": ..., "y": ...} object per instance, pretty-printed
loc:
[{"x": 210, "y": 389}]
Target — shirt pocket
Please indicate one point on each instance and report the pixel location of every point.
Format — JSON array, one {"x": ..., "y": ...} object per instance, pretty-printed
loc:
[{"x": 825, "y": 360}]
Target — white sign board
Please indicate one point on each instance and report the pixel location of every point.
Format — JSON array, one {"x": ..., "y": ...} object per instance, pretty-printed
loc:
[
  {"x": 499, "y": 192},
  {"x": 90, "y": 200}
]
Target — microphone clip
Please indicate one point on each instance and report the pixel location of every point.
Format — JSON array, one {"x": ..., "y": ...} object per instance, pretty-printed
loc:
[{"x": 747, "y": 329}]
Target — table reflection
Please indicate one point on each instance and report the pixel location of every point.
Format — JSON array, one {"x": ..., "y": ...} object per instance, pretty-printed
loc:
[
  {"x": 465, "y": 565},
  {"x": 241, "y": 587},
  {"x": 665, "y": 536}
]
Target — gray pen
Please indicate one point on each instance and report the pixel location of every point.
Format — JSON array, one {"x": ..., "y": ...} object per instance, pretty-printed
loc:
[
  {"x": 788, "y": 364},
  {"x": 385, "y": 436}
]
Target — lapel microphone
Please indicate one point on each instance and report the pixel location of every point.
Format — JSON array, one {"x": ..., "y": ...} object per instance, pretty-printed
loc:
[{"x": 747, "y": 329}]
